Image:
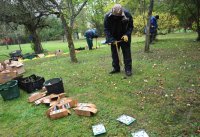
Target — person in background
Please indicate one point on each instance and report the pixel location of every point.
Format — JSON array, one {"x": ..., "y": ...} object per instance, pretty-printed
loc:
[
  {"x": 153, "y": 28},
  {"x": 118, "y": 26},
  {"x": 90, "y": 34}
]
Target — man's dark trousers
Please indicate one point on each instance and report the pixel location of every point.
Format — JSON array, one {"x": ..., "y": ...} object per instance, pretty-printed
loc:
[
  {"x": 90, "y": 43},
  {"x": 126, "y": 50}
]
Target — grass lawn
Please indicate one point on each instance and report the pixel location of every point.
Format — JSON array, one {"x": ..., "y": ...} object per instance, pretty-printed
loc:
[
  {"x": 49, "y": 45},
  {"x": 163, "y": 94}
]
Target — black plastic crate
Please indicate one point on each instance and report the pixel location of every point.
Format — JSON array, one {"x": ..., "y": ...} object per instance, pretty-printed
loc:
[
  {"x": 54, "y": 86},
  {"x": 17, "y": 53},
  {"x": 31, "y": 83}
]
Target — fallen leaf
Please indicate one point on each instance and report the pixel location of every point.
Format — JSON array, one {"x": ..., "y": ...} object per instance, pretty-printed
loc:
[{"x": 145, "y": 80}]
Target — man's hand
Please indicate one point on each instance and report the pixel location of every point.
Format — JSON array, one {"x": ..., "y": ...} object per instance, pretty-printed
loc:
[
  {"x": 125, "y": 38},
  {"x": 113, "y": 43}
]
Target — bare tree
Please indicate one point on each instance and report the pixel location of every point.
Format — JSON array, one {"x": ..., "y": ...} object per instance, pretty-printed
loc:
[
  {"x": 68, "y": 10},
  {"x": 147, "y": 40}
]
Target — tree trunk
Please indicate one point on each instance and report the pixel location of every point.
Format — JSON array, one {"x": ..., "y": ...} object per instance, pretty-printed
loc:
[
  {"x": 198, "y": 38},
  {"x": 147, "y": 40},
  {"x": 19, "y": 42},
  {"x": 198, "y": 31},
  {"x": 35, "y": 39},
  {"x": 63, "y": 37},
  {"x": 68, "y": 33},
  {"x": 7, "y": 45},
  {"x": 169, "y": 30},
  {"x": 198, "y": 20},
  {"x": 37, "y": 43},
  {"x": 71, "y": 46},
  {"x": 185, "y": 29},
  {"x": 77, "y": 35}
]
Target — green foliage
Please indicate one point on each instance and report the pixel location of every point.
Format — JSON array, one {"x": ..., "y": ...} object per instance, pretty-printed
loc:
[
  {"x": 54, "y": 30},
  {"x": 139, "y": 23},
  {"x": 32, "y": 45},
  {"x": 186, "y": 10},
  {"x": 166, "y": 22},
  {"x": 80, "y": 24},
  {"x": 194, "y": 26},
  {"x": 96, "y": 12},
  {"x": 108, "y": 6},
  {"x": 14, "y": 31},
  {"x": 133, "y": 6}
]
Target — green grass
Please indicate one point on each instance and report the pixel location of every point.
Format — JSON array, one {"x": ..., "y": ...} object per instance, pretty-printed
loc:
[
  {"x": 49, "y": 45},
  {"x": 163, "y": 94}
]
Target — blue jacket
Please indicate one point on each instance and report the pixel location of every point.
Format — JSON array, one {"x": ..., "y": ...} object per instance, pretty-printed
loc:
[
  {"x": 154, "y": 24},
  {"x": 91, "y": 33}
]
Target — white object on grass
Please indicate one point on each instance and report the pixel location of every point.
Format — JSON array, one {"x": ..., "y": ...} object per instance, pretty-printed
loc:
[
  {"x": 126, "y": 119},
  {"x": 98, "y": 129},
  {"x": 140, "y": 133}
]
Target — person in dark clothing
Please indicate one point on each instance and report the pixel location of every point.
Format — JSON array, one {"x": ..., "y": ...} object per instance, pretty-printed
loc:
[
  {"x": 118, "y": 26},
  {"x": 153, "y": 28},
  {"x": 90, "y": 34}
]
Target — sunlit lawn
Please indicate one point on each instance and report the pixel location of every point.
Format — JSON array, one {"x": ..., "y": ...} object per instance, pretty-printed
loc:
[{"x": 49, "y": 45}]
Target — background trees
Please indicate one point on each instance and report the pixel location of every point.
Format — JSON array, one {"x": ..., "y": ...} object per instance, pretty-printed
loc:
[
  {"x": 68, "y": 10},
  {"x": 187, "y": 11},
  {"x": 51, "y": 19},
  {"x": 95, "y": 10},
  {"x": 54, "y": 30},
  {"x": 192, "y": 7},
  {"x": 27, "y": 13}
]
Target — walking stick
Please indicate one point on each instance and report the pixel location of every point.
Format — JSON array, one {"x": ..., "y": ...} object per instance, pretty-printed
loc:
[{"x": 118, "y": 52}]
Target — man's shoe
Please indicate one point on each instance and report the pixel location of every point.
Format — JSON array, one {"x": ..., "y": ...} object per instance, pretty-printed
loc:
[
  {"x": 114, "y": 71},
  {"x": 128, "y": 73}
]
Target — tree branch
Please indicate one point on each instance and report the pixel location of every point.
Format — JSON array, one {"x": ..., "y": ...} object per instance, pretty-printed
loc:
[
  {"x": 80, "y": 8},
  {"x": 186, "y": 5}
]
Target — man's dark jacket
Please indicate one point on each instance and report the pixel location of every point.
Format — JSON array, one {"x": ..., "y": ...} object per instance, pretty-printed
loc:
[
  {"x": 116, "y": 27},
  {"x": 91, "y": 33}
]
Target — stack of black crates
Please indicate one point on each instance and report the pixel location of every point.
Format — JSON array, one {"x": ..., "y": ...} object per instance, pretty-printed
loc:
[{"x": 31, "y": 83}]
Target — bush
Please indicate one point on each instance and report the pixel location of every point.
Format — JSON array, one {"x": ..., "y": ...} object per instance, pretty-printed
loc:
[
  {"x": 139, "y": 24},
  {"x": 166, "y": 23},
  {"x": 194, "y": 26}
]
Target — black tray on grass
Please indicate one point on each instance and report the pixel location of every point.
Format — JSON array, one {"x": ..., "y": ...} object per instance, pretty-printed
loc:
[{"x": 31, "y": 83}]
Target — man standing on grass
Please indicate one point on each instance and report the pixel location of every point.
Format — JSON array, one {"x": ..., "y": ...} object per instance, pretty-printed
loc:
[
  {"x": 153, "y": 28},
  {"x": 90, "y": 34},
  {"x": 118, "y": 26}
]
